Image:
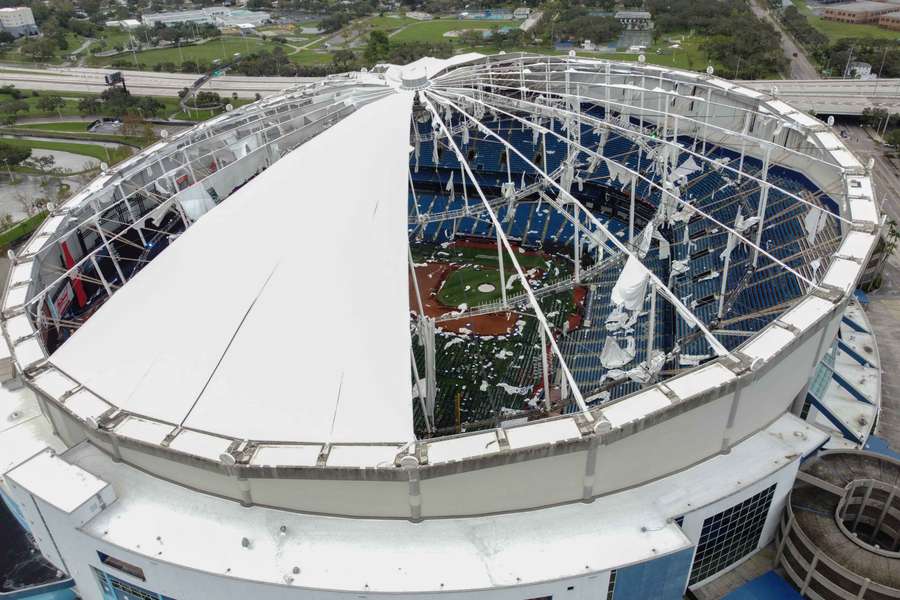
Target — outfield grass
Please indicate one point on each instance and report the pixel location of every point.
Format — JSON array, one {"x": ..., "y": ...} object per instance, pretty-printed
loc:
[
  {"x": 461, "y": 286},
  {"x": 433, "y": 31},
  {"x": 488, "y": 257},
  {"x": 101, "y": 153}
]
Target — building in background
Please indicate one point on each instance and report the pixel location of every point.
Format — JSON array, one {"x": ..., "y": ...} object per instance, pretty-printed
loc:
[
  {"x": 890, "y": 20},
  {"x": 635, "y": 20},
  {"x": 858, "y": 12},
  {"x": 18, "y": 21},
  {"x": 220, "y": 16}
]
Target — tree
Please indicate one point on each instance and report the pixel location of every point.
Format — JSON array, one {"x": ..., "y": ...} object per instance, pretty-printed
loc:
[
  {"x": 39, "y": 50},
  {"x": 378, "y": 47},
  {"x": 149, "y": 106},
  {"x": 11, "y": 107},
  {"x": 51, "y": 103},
  {"x": 89, "y": 106},
  {"x": 44, "y": 163},
  {"x": 335, "y": 21},
  {"x": 343, "y": 59},
  {"x": 132, "y": 125},
  {"x": 11, "y": 155},
  {"x": 472, "y": 37},
  {"x": 893, "y": 138}
]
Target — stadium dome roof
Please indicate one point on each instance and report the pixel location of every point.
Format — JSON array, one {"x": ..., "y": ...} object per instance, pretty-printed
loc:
[{"x": 278, "y": 323}]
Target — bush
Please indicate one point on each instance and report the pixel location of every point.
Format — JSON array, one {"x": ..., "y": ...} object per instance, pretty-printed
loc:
[{"x": 10, "y": 90}]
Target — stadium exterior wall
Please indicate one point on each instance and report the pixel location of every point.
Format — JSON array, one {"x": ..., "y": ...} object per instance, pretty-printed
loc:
[
  {"x": 691, "y": 430},
  {"x": 68, "y": 545}
]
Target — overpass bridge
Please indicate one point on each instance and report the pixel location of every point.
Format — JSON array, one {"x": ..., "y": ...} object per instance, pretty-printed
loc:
[{"x": 847, "y": 97}]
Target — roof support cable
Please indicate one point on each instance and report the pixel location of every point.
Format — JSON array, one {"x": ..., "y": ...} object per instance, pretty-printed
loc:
[
  {"x": 631, "y": 134},
  {"x": 685, "y": 312},
  {"x": 649, "y": 181},
  {"x": 539, "y": 313}
]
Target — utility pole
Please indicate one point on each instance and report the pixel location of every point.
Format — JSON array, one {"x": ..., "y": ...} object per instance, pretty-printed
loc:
[{"x": 847, "y": 67}]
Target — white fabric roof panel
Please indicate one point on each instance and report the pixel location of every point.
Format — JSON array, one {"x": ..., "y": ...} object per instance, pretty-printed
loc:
[{"x": 282, "y": 314}]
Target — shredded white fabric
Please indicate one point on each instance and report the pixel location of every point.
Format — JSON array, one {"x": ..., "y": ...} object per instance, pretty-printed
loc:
[
  {"x": 195, "y": 201},
  {"x": 620, "y": 319},
  {"x": 644, "y": 372},
  {"x": 680, "y": 266},
  {"x": 732, "y": 239},
  {"x": 619, "y": 173},
  {"x": 511, "y": 389},
  {"x": 685, "y": 169},
  {"x": 645, "y": 238},
  {"x": 450, "y": 188},
  {"x": 663, "y": 245},
  {"x": 614, "y": 356},
  {"x": 631, "y": 287},
  {"x": 814, "y": 222}
]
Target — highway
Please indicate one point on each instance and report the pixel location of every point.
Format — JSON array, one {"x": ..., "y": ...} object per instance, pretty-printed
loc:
[
  {"x": 823, "y": 96},
  {"x": 833, "y": 96}
]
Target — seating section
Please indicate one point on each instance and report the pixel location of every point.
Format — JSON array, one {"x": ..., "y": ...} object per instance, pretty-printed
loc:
[{"x": 760, "y": 284}]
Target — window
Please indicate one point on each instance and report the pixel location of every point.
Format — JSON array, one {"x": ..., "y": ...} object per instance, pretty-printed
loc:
[
  {"x": 121, "y": 565},
  {"x": 807, "y": 403},
  {"x": 611, "y": 589},
  {"x": 730, "y": 535},
  {"x": 114, "y": 588}
]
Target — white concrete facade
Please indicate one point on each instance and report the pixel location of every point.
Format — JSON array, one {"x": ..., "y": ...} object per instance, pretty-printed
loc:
[
  {"x": 18, "y": 21},
  {"x": 517, "y": 513}
]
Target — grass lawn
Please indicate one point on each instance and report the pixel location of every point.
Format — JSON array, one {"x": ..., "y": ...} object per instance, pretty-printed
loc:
[
  {"x": 433, "y": 31},
  {"x": 14, "y": 55},
  {"x": 76, "y": 126},
  {"x": 224, "y": 47},
  {"x": 70, "y": 108},
  {"x": 690, "y": 56},
  {"x": 836, "y": 30},
  {"x": 309, "y": 57},
  {"x": 93, "y": 150},
  {"x": 170, "y": 107},
  {"x": 389, "y": 22}
]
